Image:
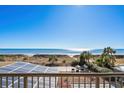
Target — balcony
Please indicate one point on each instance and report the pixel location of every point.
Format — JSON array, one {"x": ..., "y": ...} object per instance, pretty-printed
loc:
[{"x": 61, "y": 80}]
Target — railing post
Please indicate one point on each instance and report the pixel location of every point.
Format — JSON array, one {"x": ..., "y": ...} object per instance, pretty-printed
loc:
[
  {"x": 12, "y": 81},
  {"x": 25, "y": 82},
  {"x": 97, "y": 82},
  {"x": 0, "y": 82}
]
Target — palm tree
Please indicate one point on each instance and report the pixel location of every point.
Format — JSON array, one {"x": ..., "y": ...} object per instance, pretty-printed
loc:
[
  {"x": 108, "y": 55},
  {"x": 111, "y": 53},
  {"x": 109, "y": 50},
  {"x": 88, "y": 56},
  {"x": 82, "y": 58},
  {"x": 85, "y": 57}
]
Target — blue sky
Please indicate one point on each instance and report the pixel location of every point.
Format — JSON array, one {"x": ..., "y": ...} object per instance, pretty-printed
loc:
[{"x": 61, "y": 26}]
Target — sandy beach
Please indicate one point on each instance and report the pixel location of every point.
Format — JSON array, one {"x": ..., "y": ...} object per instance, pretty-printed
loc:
[{"x": 62, "y": 60}]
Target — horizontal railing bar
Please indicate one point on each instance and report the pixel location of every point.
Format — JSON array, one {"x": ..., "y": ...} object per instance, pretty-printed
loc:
[
  {"x": 63, "y": 82},
  {"x": 120, "y": 74}
]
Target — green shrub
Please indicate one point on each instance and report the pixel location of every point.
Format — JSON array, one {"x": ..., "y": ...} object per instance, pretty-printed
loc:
[
  {"x": 96, "y": 68},
  {"x": 2, "y": 58},
  {"x": 74, "y": 63},
  {"x": 25, "y": 59}
]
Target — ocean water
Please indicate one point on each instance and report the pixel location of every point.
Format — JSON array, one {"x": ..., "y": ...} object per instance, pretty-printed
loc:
[
  {"x": 53, "y": 51},
  {"x": 39, "y": 51},
  {"x": 99, "y": 51}
]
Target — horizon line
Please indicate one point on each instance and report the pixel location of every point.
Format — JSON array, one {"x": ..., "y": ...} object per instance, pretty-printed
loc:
[{"x": 54, "y": 48}]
